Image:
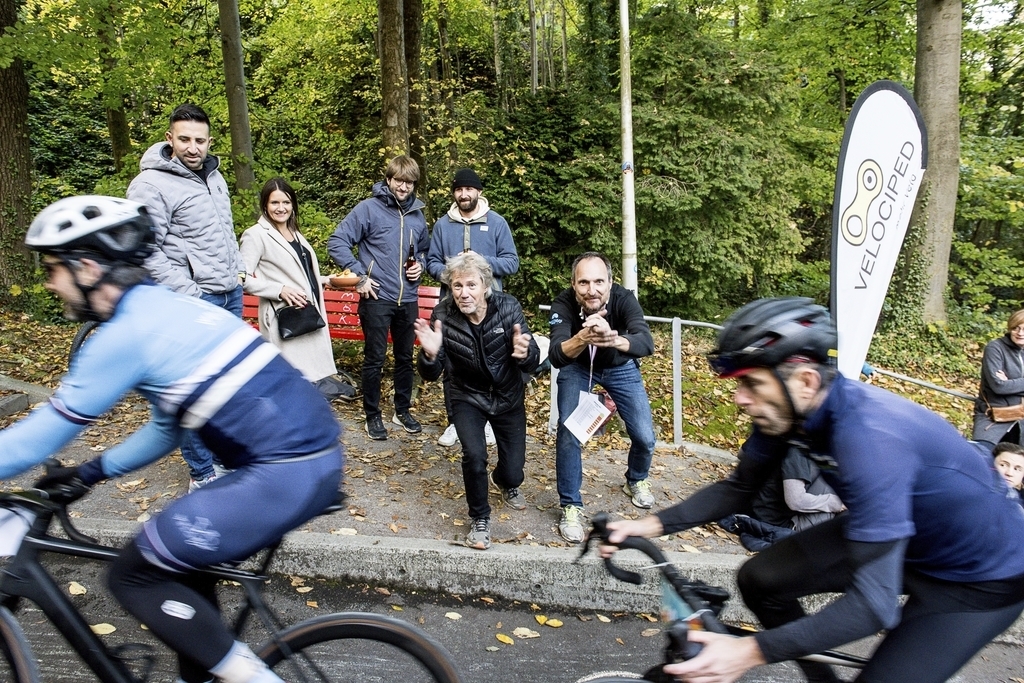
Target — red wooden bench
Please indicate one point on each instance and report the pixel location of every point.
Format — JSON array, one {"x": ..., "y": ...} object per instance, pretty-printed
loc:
[{"x": 343, "y": 310}]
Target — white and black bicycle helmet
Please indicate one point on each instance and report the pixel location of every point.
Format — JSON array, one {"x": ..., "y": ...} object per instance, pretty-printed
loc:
[
  {"x": 115, "y": 230},
  {"x": 768, "y": 332}
]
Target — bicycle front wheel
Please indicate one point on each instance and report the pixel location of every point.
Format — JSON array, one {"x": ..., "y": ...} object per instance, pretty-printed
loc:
[
  {"x": 612, "y": 677},
  {"x": 355, "y": 646},
  {"x": 16, "y": 661}
]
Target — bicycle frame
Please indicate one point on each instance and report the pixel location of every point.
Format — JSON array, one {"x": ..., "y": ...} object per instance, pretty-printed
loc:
[{"x": 26, "y": 577}]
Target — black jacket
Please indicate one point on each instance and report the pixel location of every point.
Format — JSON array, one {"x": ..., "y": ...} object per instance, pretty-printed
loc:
[
  {"x": 624, "y": 316},
  {"x": 1000, "y": 355},
  {"x": 481, "y": 369}
]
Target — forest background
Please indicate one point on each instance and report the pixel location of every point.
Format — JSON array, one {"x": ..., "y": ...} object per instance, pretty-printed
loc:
[{"x": 738, "y": 114}]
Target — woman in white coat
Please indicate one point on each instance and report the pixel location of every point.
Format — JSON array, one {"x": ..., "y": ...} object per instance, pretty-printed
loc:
[{"x": 282, "y": 269}]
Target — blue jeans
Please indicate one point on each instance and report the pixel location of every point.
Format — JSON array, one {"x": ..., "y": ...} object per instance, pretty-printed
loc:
[
  {"x": 197, "y": 456},
  {"x": 624, "y": 384}
]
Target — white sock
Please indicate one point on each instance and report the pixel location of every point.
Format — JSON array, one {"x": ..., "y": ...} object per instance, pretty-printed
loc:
[{"x": 240, "y": 665}]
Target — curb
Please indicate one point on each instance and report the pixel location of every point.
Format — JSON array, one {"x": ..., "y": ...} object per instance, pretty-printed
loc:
[
  {"x": 36, "y": 393},
  {"x": 547, "y": 576}
]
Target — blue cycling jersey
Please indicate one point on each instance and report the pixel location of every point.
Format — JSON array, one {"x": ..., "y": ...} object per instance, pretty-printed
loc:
[
  {"x": 903, "y": 472},
  {"x": 201, "y": 368}
]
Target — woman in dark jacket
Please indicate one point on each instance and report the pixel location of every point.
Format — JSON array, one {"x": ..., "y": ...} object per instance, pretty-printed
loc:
[
  {"x": 1002, "y": 384},
  {"x": 480, "y": 337}
]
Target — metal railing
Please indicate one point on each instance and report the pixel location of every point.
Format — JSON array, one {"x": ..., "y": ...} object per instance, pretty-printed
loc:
[{"x": 677, "y": 376}]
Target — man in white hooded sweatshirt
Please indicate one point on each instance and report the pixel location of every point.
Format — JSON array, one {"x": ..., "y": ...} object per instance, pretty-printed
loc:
[{"x": 470, "y": 225}]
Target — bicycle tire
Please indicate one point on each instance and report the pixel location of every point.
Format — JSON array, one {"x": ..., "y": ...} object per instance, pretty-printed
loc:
[
  {"x": 83, "y": 333},
  {"x": 348, "y": 638},
  {"x": 17, "y": 663},
  {"x": 611, "y": 677}
]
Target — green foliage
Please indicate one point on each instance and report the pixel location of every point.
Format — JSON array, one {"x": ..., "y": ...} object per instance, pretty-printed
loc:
[{"x": 977, "y": 274}]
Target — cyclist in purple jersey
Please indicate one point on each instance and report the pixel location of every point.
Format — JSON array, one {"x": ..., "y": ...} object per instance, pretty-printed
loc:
[
  {"x": 202, "y": 369},
  {"x": 928, "y": 515}
]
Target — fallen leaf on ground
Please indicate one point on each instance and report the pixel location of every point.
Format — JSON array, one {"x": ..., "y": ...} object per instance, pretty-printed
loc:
[
  {"x": 76, "y": 588},
  {"x": 553, "y": 623},
  {"x": 541, "y": 619},
  {"x": 493, "y": 648},
  {"x": 489, "y": 601},
  {"x": 619, "y": 641},
  {"x": 102, "y": 629},
  {"x": 454, "y": 616},
  {"x": 648, "y": 617},
  {"x": 312, "y": 603},
  {"x": 648, "y": 632},
  {"x": 396, "y": 608},
  {"x": 303, "y": 589},
  {"x": 603, "y": 619},
  {"x": 505, "y": 639},
  {"x": 523, "y": 632},
  {"x": 344, "y": 531}
]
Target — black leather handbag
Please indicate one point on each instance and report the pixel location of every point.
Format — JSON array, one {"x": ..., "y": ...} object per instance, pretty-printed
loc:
[{"x": 295, "y": 321}]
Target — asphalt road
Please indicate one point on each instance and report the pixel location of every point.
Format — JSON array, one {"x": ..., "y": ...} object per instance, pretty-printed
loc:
[{"x": 585, "y": 643}]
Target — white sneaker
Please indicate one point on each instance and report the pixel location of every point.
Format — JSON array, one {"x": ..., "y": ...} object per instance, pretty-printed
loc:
[
  {"x": 449, "y": 438},
  {"x": 489, "y": 434}
]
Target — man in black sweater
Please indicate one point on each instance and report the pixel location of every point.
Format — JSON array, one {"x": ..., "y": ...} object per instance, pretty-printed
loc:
[{"x": 598, "y": 335}]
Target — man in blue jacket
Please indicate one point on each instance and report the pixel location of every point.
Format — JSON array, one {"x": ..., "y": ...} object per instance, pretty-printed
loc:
[
  {"x": 927, "y": 515},
  {"x": 470, "y": 225},
  {"x": 390, "y": 232}
]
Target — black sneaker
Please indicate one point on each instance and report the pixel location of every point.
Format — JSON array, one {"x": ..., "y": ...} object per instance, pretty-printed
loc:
[
  {"x": 407, "y": 422},
  {"x": 375, "y": 428}
]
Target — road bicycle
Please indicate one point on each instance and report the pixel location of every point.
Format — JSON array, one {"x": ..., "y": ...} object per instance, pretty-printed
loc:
[
  {"x": 332, "y": 647},
  {"x": 687, "y": 605}
]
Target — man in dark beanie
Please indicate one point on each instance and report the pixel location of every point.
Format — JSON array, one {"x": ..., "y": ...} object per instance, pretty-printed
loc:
[{"x": 470, "y": 225}]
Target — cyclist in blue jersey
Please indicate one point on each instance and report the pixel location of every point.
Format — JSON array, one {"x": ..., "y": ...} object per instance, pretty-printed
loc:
[
  {"x": 928, "y": 515},
  {"x": 201, "y": 368}
]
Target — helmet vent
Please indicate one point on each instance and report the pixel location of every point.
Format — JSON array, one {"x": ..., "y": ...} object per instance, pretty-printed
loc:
[{"x": 91, "y": 212}]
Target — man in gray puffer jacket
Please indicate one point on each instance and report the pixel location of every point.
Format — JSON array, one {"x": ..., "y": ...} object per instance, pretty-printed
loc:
[{"x": 196, "y": 248}]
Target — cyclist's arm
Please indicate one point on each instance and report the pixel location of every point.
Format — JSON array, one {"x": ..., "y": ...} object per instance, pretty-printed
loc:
[
  {"x": 870, "y": 604},
  {"x": 157, "y": 438}
]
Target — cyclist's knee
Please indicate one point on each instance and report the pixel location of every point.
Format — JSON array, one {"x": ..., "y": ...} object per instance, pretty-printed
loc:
[{"x": 130, "y": 570}]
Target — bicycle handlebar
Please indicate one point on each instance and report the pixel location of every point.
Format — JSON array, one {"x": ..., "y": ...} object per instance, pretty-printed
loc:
[
  {"x": 699, "y": 597},
  {"x": 55, "y": 499}
]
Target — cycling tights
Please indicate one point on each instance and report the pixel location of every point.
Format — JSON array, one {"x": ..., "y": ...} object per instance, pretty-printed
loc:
[{"x": 180, "y": 609}]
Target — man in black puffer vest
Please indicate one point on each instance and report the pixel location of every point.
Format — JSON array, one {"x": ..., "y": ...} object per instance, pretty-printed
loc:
[{"x": 480, "y": 337}]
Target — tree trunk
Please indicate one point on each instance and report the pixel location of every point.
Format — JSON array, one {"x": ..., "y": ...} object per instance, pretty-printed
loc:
[
  {"x": 234, "y": 84},
  {"x": 496, "y": 30},
  {"x": 565, "y": 50},
  {"x": 937, "y": 91},
  {"x": 447, "y": 80},
  {"x": 394, "y": 79},
  {"x": 15, "y": 171},
  {"x": 413, "y": 33},
  {"x": 120, "y": 139},
  {"x": 533, "y": 47},
  {"x": 113, "y": 103}
]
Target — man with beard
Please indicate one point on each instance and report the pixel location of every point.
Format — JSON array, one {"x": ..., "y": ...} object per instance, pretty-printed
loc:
[
  {"x": 479, "y": 337},
  {"x": 470, "y": 225},
  {"x": 196, "y": 249},
  {"x": 598, "y": 335}
]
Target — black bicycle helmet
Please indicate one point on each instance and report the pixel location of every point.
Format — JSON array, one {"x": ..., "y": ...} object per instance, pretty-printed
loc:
[
  {"x": 115, "y": 230},
  {"x": 767, "y": 332}
]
